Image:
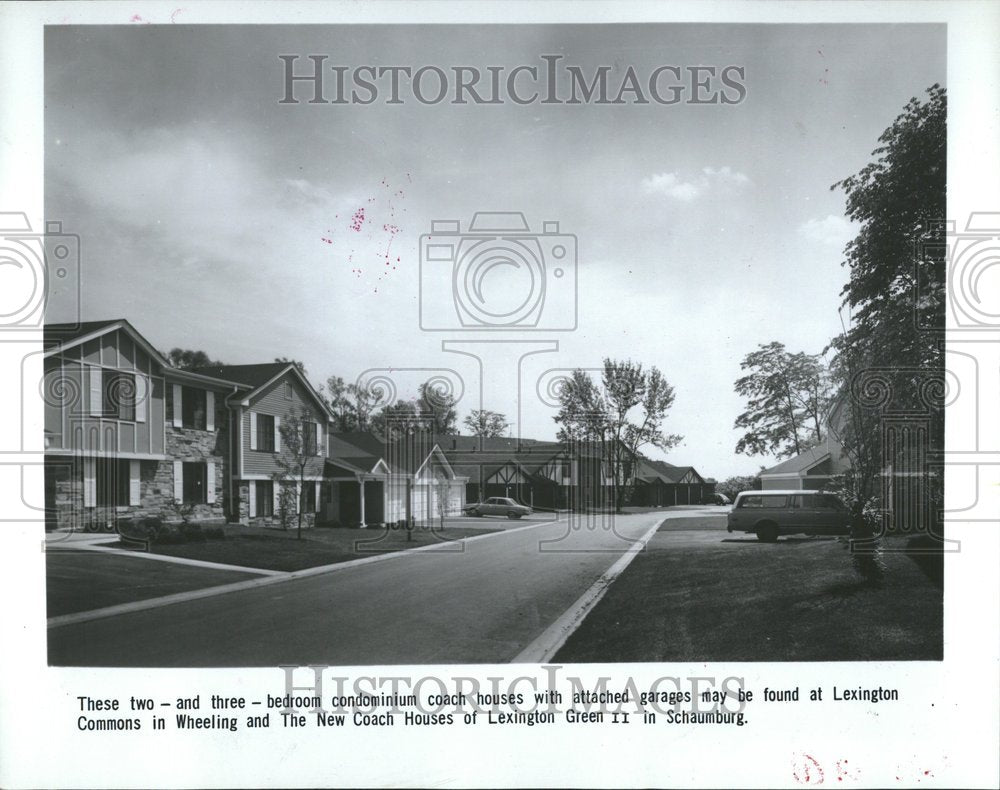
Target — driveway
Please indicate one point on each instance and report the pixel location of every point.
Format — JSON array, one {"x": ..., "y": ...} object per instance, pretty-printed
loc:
[{"x": 482, "y": 600}]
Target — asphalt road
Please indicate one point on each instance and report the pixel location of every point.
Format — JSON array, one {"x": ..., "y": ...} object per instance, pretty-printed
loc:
[{"x": 482, "y": 604}]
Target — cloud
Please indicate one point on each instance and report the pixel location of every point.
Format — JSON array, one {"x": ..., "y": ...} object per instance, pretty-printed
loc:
[
  {"x": 831, "y": 230},
  {"x": 723, "y": 179}
]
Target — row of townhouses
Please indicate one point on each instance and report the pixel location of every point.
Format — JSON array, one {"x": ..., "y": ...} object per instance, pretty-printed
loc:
[{"x": 128, "y": 435}]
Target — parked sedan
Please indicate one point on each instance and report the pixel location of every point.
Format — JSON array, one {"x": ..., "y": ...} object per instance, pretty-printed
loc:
[{"x": 498, "y": 506}]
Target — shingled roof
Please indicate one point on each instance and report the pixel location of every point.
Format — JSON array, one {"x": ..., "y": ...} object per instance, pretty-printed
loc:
[{"x": 251, "y": 375}]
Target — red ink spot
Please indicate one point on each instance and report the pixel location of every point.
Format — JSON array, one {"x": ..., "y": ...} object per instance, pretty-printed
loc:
[{"x": 358, "y": 219}]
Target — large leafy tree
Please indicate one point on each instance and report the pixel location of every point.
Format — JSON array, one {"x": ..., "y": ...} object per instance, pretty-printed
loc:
[
  {"x": 187, "y": 359},
  {"x": 437, "y": 404},
  {"x": 892, "y": 346},
  {"x": 351, "y": 404},
  {"x": 626, "y": 413},
  {"x": 786, "y": 397},
  {"x": 486, "y": 423}
]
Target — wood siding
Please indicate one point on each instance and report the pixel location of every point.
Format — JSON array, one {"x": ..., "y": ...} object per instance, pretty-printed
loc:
[
  {"x": 273, "y": 401},
  {"x": 72, "y": 416}
]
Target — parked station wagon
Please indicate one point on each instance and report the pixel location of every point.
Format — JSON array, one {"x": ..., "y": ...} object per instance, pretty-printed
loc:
[
  {"x": 498, "y": 506},
  {"x": 773, "y": 513}
]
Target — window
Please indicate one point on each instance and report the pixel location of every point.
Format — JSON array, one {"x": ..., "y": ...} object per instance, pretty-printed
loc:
[
  {"x": 194, "y": 408},
  {"x": 195, "y": 483},
  {"x": 119, "y": 395},
  {"x": 307, "y": 499},
  {"x": 264, "y": 492},
  {"x": 265, "y": 433},
  {"x": 764, "y": 501},
  {"x": 112, "y": 482},
  {"x": 309, "y": 438},
  {"x": 805, "y": 502},
  {"x": 288, "y": 390}
]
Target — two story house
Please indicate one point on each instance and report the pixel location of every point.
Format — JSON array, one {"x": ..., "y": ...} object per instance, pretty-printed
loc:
[
  {"x": 273, "y": 398},
  {"x": 126, "y": 434}
]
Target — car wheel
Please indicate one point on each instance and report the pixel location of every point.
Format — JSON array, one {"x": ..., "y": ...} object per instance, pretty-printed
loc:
[
  {"x": 477, "y": 513},
  {"x": 513, "y": 514},
  {"x": 767, "y": 533}
]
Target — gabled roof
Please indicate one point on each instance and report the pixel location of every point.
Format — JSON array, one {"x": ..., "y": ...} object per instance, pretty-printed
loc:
[
  {"x": 64, "y": 333},
  {"x": 798, "y": 464},
  {"x": 255, "y": 376},
  {"x": 59, "y": 337},
  {"x": 651, "y": 471},
  {"x": 365, "y": 449},
  {"x": 260, "y": 376}
]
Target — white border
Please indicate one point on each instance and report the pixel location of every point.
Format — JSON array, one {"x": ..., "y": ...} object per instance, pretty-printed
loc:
[{"x": 955, "y": 741}]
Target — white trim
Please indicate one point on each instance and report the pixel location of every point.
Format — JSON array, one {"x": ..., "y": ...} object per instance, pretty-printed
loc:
[
  {"x": 123, "y": 325},
  {"x": 209, "y": 410},
  {"x": 60, "y": 451},
  {"x": 95, "y": 388},
  {"x": 178, "y": 481},
  {"x": 89, "y": 482},
  {"x": 307, "y": 477},
  {"x": 253, "y": 430},
  {"x": 252, "y": 499},
  {"x": 178, "y": 407},
  {"x": 210, "y": 482},
  {"x": 134, "y": 480},
  {"x": 141, "y": 397},
  {"x": 277, "y": 433}
]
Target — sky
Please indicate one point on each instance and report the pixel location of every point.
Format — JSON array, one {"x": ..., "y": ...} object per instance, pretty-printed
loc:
[{"x": 213, "y": 217}]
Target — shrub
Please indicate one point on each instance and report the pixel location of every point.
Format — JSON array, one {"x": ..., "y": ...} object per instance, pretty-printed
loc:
[{"x": 191, "y": 533}]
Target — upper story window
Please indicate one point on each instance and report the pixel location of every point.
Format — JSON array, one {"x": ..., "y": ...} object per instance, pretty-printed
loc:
[
  {"x": 194, "y": 408},
  {"x": 191, "y": 407},
  {"x": 288, "y": 390},
  {"x": 309, "y": 445},
  {"x": 265, "y": 433},
  {"x": 118, "y": 395}
]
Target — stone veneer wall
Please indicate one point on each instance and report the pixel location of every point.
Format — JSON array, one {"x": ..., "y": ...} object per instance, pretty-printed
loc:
[
  {"x": 308, "y": 519},
  {"x": 156, "y": 487}
]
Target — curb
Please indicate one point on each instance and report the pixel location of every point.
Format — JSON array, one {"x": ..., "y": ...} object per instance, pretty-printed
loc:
[{"x": 547, "y": 644}]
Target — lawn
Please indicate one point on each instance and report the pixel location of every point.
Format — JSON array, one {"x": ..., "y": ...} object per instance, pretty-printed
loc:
[
  {"x": 78, "y": 581},
  {"x": 800, "y": 599},
  {"x": 278, "y": 550}
]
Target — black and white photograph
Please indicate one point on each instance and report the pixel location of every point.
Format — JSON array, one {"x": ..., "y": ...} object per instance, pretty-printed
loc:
[
  {"x": 379, "y": 375},
  {"x": 701, "y": 344}
]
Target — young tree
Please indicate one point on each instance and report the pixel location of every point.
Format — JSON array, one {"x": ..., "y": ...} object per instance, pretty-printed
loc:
[
  {"x": 486, "y": 423},
  {"x": 625, "y": 417},
  {"x": 895, "y": 294},
  {"x": 298, "y": 453},
  {"x": 787, "y": 395},
  {"x": 186, "y": 359}
]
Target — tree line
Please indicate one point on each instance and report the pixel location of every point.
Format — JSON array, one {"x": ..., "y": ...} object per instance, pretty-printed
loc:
[{"x": 890, "y": 354}]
